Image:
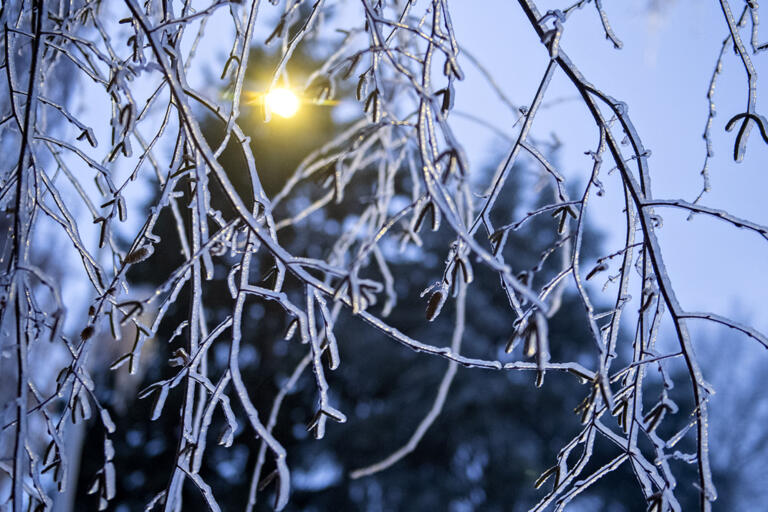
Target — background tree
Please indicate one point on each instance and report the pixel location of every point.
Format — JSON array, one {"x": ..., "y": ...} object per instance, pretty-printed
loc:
[
  {"x": 389, "y": 389},
  {"x": 337, "y": 245}
]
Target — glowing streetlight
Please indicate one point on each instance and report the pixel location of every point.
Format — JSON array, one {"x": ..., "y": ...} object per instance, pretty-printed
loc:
[{"x": 282, "y": 102}]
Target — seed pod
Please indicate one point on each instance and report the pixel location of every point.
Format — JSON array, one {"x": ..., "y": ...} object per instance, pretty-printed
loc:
[
  {"x": 56, "y": 326},
  {"x": 447, "y": 96},
  {"x": 122, "y": 212},
  {"x": 455, "y": 278},
  {"x": 352, "y": 65},
  {"x": 435, "y": 305},
  {"x": 497, "y": 239},
  {"x": 360, "y": 91},
  {"x": 103, "y": 233},
  {"x": 436, "y": 217},
  {"x": 370, "y": 101},
  {"x": 87, "y": 333},
  {"x": 419, "y": 219},
  {"x": 139, "y": 254},
  {"x": 648, "y": 296},
  {"x": 598, "y": 268},
  {"x": 654, "y": 417}
]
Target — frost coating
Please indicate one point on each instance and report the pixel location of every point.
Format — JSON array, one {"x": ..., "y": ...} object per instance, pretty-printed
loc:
[{"x": 404, "y": 62}]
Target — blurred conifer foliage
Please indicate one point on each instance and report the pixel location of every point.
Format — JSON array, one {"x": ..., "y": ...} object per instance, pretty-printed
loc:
[{"x": 494, "y": 436}]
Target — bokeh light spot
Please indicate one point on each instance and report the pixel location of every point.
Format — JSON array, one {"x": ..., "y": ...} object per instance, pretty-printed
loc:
[{"x": 282, "y": 102}]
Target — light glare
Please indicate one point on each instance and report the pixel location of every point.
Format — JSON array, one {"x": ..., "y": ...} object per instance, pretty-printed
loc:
[{"x": 282, "y": 102}]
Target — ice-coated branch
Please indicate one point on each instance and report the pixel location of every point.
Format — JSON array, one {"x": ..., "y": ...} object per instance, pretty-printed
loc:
[{"x": 135, "y": 179}]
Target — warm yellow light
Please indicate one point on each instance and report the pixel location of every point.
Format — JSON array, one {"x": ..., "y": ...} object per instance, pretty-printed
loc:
[{"x": 282, "y": 102}]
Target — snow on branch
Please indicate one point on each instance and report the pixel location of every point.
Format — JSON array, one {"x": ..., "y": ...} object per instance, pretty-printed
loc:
[{"x": 106, "y": 179}]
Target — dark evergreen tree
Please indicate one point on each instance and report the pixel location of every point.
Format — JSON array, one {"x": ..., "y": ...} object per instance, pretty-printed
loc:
[{"x": 496, "y": 434}]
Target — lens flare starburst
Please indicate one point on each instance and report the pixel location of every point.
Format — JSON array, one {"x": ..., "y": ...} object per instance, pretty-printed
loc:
[{"x": 282, "y": 102}]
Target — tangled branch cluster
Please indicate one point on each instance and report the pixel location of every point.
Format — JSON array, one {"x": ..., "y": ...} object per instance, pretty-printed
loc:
[{"x": 404, "y": 59}]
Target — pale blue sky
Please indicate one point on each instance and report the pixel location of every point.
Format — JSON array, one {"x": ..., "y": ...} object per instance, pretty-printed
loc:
[{"x": 662, "y": 73}]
